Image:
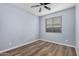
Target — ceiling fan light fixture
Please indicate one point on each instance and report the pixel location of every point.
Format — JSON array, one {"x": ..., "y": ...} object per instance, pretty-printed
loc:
[{"x": 42, "y": 4}]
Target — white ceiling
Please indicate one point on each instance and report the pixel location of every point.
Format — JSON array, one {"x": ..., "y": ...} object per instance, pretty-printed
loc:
[{"x": 55, "y": 7}]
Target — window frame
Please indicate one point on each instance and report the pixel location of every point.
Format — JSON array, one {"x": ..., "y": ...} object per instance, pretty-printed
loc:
[{"x": 51, "y": 18}]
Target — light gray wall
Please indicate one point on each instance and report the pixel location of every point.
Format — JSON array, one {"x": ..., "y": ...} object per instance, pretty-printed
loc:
[
  {"x": 16, "y": 27},
  {"x": 68, "y": 27},
  {"x": 77, "y": 25}
]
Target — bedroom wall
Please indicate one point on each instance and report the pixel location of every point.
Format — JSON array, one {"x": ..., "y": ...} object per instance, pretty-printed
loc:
[
  {"x": 68, "y": 27},
  {"x": 77, "y": 28},
  {"x": 16, "y": 27}
]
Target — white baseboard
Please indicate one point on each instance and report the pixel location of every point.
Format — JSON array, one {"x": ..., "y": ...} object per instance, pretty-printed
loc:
[
  {"x": 37, "y": 40},
  {"x": 18, "y": 45},
  {"x": 58, "y": 43},
  {"x": 77, "y": 51}
]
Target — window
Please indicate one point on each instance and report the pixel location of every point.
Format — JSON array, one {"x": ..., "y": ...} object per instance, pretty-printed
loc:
[{"x": 54, "y": 24}]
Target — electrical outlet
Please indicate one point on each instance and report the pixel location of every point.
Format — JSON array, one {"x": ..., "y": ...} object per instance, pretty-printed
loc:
[{"x": 10, "y": 43}]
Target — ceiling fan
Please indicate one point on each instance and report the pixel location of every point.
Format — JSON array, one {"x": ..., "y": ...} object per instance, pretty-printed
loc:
[{"x": 42, "y": 4}]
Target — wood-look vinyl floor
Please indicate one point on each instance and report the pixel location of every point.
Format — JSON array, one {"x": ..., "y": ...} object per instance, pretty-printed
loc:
[{"x": 41, "y": 48}]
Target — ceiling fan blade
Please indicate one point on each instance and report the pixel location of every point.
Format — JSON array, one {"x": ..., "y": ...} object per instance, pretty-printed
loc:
[
  {"x": 41, "y": 3},
  {"x": 40, "y": 9},
  {"x": 46, "y": 3},
  {"x": 35, "y": 6},
  {"x": 47, "y": 8}
]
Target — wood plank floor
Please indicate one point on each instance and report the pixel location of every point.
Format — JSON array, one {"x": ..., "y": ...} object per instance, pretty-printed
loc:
[{"x": 41, "y": 48}]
